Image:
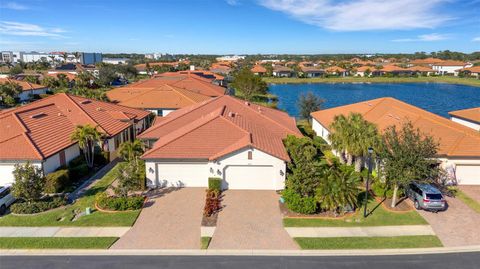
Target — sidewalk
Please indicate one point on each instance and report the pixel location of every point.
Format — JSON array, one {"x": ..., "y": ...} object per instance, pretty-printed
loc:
[
  {"x": 371, "y": 231},
  {"x": 63, "y": 231}
]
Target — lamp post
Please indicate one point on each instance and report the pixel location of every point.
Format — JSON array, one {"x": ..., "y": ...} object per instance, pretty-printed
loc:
[{"x": 370, "y": 151}]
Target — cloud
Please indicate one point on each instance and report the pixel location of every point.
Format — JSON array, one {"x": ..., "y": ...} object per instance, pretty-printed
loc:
[
  {"x": 13, "y": 6},
  {"x": 27, "y": 29},
  {"x": 476, "y": 39},
  {"x": 362, "y": 15},
  {"x": 232, "y": 2},
  {"x": 424, "y": 38}
]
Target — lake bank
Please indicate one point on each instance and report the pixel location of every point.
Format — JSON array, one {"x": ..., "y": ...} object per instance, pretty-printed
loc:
[{"x": 444, "y": 79}]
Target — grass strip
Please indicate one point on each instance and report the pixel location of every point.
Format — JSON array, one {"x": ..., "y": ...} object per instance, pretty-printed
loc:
[
  {"x": 56, "y": 242},
  {"x": 473, "y": 204},
  {"x": 419, "y": 241},
  {"x": 204, "y": 242}
]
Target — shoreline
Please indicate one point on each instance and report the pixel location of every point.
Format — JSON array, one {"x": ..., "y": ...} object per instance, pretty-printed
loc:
[{"x": 360, "y": 80}]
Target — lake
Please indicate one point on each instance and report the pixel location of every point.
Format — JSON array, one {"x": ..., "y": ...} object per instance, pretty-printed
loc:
[{"x": 438, "y": 98}]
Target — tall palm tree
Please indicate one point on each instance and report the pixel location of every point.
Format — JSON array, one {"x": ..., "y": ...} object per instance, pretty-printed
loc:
[
  {"x": 131, "y": 150},
  {"x": 339, "y": 138},
  {"x": 87, "y": 138}
]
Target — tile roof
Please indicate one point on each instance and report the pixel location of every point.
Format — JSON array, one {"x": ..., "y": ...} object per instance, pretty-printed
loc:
[
  {"x": 258, "y": 69},
  {"x": 473, "y": 69},
  {"x": 218, "y": 127},
  {"x": 450, "y": 63},
  {"x": 454, "y": 138},
  {"x": 471, "y": 114},
  {"x": 364, "y": 68},
  {"x": 69, "y": 75},
  {"x": 419, "y": 68},
  {"x": 42, "y": 128},
  {"x": 337, "y": 69},
  {"x": 426, "y": 61},
  {"x": 26, "y": 86}
]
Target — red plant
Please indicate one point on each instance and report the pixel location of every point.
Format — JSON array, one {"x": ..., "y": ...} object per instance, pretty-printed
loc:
[{"x": 212, "y": 203}]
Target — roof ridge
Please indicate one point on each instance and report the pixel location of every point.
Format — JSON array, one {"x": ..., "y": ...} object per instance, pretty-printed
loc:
[
  {"x": 27, "y": 137},
  {"x": 86, "y": 113}
]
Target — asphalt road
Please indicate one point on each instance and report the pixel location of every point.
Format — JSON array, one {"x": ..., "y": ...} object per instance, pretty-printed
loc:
[{"x": 437, "y": 261}]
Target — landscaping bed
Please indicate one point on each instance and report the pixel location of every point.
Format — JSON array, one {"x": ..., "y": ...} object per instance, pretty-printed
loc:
[
  {"x": 418, "y": 241},
  {"x": 287, "y": 213},
  {"x": 56, "y": 242}
]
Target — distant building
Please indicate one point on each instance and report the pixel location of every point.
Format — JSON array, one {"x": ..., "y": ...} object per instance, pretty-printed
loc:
[
  {"x": 115, "y": 60},
  {"x": 230, "y": 58},
  {"x": 90, "y": 58},
  {"x": 28, "y": 89},
  {"x": 282, "y": 71},
  {"x": 153, "y": 56},
  {"x": 450, "y": 67}
]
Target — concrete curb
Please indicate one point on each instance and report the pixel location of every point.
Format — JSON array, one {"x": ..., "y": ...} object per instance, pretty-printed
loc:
[{"x": 247, "y": 252}]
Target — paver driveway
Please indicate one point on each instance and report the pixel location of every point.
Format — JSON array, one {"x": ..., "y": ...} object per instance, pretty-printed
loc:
[
  {"x": 171, "y": 220},
  {"x": 457, "y": 226},
  {"x": 251, "y": 220}
]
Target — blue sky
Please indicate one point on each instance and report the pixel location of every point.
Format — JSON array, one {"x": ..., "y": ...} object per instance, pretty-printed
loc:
[{"x": 240, "y": 26}]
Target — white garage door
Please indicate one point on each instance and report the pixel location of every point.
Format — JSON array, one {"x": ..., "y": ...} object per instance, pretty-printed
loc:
[
  {"x": 182, "y": 174},
  {"x": 468, "y": 174},
  {"x": 249, "y": 178},
  {"x": 6, "y": 176}
]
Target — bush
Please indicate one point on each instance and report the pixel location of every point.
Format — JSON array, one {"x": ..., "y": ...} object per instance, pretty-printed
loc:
[
  {"x": 56, "y": 181},
  {"x": 215, "y": 183},
  {"x": 77, "y": 172},
  {"x": 119, "y": 203},
  {"x": 296, "y": 203},
  {"x": 101, "y": 157},
  {"x": 212, "y": 202},
  {"x": 382, "y": 190},
  {"x": 37, "y": 207},
  {"x": 77, "y": 161}
]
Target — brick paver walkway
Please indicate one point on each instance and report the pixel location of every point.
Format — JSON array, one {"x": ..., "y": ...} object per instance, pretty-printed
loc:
[
  {"x": 170, "y": 220},
  {"x": 251, "y": 220}
]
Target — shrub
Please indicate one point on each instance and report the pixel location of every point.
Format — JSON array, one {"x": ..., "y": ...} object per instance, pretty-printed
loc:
[
  {"x": 296, "y": 203},
  {"x": 215, "y": 183},
  {"x": 212, "y": 202},
  {"x": 77, "y": 161},
  {"x": 37, "y": 207},
  {"x": 77, "y": 172},
  {"x": 119, "y": 203},
  {"x": 382, "y": 190},
  {"x": 56, "y": 181},
  {"x": 101, "y": 157}
]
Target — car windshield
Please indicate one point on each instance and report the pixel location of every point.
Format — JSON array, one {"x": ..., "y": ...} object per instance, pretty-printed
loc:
[{"x": 434, "y": 196}]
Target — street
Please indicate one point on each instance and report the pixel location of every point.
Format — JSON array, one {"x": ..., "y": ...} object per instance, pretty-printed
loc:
[{"x": 437, "y": 261}]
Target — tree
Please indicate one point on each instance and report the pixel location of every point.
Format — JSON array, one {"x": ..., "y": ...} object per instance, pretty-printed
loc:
[
  {"x": 249, "y": 84},
  {"x": 50, "y": 82},
  {"x": 29, "y": 182},
  {"x": 130, "y": 151},
  {"x": 63, "y": 81},
  {"x": 308, "y": 103},
  {"x": 106, "y": 75},
  {"x": 338, "y": 188},
  {"x": 407, "y": 155},
  {"x": 127, "y": 179},
  {"x": 87, "y": 138},
  {"x": 9, "y": 91},
  {"x": 32, "y": 79},
  {"x": 84, "y": 80},
  {"x": 16, "y": 69}
]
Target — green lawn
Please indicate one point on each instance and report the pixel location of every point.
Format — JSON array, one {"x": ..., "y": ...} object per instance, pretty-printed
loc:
[
  {"x": 379, "y": 217},
  {"x": 444, "y": 79},
  {"x": 57, "y": 242},
  {"x": 63, "y": 216},
  {"x": 205, "y": 241},
  {"x": 419, "y": 241},
  {"x": 474, "y": 205}
]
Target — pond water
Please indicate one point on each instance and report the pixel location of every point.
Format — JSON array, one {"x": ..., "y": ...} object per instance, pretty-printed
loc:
[{"x": 438, "y": 98}]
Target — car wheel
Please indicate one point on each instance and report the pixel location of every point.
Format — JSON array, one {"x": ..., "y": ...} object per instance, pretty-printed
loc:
[
  {"x": 416, "y": 204},
  {"x": 3, "y": 209}
]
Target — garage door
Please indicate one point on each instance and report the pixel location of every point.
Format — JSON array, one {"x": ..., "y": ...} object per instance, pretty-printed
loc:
[
  {"x": 468, "y": 174},
  {"x": 249, "y": 178},
  {"x": 182, "y": 174}
]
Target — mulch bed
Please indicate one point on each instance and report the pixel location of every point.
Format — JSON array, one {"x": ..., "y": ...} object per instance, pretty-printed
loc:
[
  {"x": 210, "y": 221},
  {"x": 403, "y": 205},
  {"x": 287, "y": 213}
]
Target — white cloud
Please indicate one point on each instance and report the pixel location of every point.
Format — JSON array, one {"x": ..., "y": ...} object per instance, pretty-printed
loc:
[
  {"x": 362, "y": 15},
  {"x": 13, "y": 6},
  {"x": 476, "y": 39},
  {"x": 232, "y": 2},
  {"x": 424, "y": 38},
  {"x": 28, "y": 29}
]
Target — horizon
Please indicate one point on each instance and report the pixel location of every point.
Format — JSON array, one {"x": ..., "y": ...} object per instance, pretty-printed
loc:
[{"x": 241, "y": 27}]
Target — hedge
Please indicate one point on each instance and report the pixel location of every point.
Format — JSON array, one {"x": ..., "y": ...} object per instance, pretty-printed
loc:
[
  {"x": 119, "y": 203},
  {"x": 296, "y": 203},
  {"x": 37, "y": 207},
  {"x": 215, "y": 183},
  {"x": 57, "y": 181},
  {"x": 77, "y": 172}
]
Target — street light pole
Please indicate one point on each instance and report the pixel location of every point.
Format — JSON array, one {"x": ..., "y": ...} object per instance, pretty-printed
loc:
[{"x": 370, "y": 151}]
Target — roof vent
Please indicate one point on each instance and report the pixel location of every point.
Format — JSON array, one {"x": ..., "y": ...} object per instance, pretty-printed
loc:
[
  {"x": 99, "y": 109},
  {"x": 84, "y": 102},
  {"x": 39, "y": 115},
  {"x": 231, "y": 114},
  {"x": 247, "y": 103}
]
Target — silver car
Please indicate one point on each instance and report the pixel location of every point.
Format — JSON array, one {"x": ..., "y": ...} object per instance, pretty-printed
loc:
[
  {"x": 427, "y": 197},
  {"x": 6, "y": 199}
]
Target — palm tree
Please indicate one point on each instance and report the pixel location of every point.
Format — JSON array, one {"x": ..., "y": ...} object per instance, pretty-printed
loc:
[
  {"x": 87, "y": 138},
  {"x": 65, "y": 57},
  {"x": 131, "y": 150},
  {"x": 339, "y": 138}
]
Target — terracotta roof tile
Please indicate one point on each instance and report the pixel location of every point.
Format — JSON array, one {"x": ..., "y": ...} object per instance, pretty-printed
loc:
[
  {"x": 26, "y": 86},
  {"x": 471, "y": 114}
]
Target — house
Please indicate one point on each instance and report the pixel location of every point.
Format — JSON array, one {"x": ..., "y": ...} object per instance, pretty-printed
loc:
[
  {"x": 116, "y": 60},
  {"x": 459, "y": 146},
  {"x": 258, "y": 70},
  {"x": 225, "y": 137},
  {"x": 40, "y": 131},
  {"x": 336, "y": 70},
  {"x": 469, "y": 117},
  {"x": 428, "y": 62},
  {"x": 28, "y": 89},
  {"x": 142, "y": 68},
  {"x": 473, "y": 71},
  {"x": 421, "y": 70},
  {"x": 363, "y": 71},
  {"x": 165, "y": 93},
  {"x": 450, "y": 67},
  {"x": 391, "y": 69},
  {"x": 312, "y": 72},
  {"x": 223, "y": 68},
  {"x": 282, "y": 71}
]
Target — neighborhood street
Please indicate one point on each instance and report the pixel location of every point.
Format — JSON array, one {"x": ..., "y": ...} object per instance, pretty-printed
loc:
[{"x": 437, "y": 261}]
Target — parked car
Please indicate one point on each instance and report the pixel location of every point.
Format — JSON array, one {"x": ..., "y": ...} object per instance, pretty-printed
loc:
[
  {"x": 6, "y": 199},
  {"x": 426, "y": 196}
]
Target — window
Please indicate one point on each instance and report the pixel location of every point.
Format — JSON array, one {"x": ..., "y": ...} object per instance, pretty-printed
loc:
[
  {"x": 250, "y": 155},
  {"x": 62, "y": 158}
]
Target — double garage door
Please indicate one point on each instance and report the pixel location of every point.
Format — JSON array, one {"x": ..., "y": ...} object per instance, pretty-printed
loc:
[
  {"x": 249, "y": 177},
  {"x": 468, "y": 174}
]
